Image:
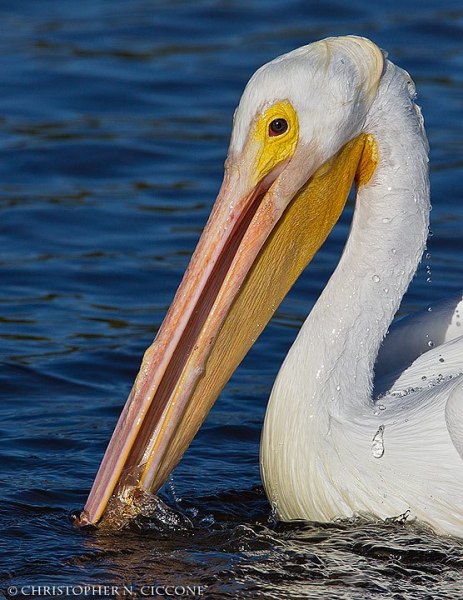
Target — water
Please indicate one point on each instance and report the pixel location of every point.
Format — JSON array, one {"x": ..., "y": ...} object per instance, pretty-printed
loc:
[{"x": 115, "y": 119}]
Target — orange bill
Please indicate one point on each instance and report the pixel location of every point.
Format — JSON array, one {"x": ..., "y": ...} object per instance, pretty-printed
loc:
[{"x": 266, "y": 225}]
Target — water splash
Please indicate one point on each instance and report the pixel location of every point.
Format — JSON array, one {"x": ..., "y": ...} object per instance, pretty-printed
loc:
[{"x": 428, "y": 266}]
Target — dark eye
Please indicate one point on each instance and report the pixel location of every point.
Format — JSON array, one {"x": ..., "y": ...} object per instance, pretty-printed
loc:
[{"x": 277, "y": 127}]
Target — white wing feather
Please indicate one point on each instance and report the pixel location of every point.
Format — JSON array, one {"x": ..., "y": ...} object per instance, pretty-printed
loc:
[
  {"x": 422, "y": 359},
  {"x": 416, "y": 334}
]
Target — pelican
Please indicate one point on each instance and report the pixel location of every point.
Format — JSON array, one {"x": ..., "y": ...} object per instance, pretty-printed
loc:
[{"x": 360, "y": 421}]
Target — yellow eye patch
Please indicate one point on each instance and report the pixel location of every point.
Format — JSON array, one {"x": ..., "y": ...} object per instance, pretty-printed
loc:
[{"x": 274, "y": 149}]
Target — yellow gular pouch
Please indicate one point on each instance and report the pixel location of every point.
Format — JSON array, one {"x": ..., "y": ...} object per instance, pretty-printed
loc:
[
  {"x": 274, "y": 149},
  {"x": 368, "y": 161}
]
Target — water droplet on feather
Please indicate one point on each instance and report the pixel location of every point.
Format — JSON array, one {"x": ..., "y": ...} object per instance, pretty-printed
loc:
[{"x": 377, "y": 447}]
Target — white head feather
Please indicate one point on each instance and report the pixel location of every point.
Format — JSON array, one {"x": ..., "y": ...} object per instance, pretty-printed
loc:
[{"x": 331, "y": 85}]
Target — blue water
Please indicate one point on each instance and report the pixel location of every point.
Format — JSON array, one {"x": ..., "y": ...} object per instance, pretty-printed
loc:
[{"x": 114, "y": 124}]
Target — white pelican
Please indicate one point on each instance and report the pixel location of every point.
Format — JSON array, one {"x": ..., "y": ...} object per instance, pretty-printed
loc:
[{"x": 310, "y": 124}]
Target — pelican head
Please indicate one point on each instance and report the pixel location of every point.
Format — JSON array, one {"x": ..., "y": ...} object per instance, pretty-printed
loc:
[
  {"x": 323, "y": 92},
  {"x": 296, "y": 148}
]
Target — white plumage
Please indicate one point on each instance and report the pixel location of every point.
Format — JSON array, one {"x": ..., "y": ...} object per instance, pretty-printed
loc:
[{"x": 330, "y": 446}]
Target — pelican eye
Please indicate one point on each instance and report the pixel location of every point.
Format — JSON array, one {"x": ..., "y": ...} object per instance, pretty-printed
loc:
[{"x": 277, "y": 127}]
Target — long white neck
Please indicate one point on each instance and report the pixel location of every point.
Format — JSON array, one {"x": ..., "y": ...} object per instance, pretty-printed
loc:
[{"x": 328, "y": 372}]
